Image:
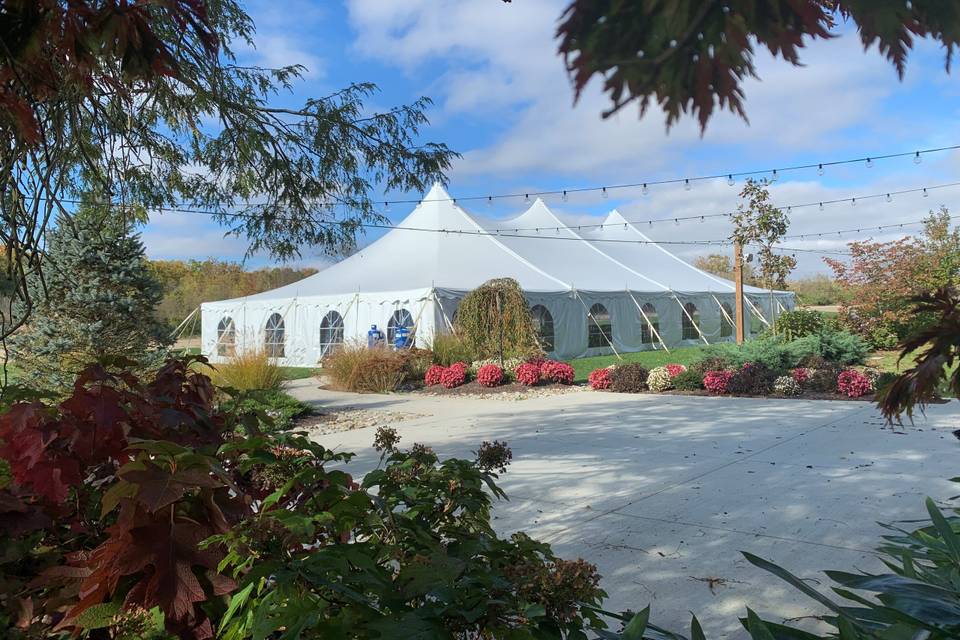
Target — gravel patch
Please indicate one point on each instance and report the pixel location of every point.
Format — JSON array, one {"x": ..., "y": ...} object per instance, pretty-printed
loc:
[{"x": 349, "y": 419}]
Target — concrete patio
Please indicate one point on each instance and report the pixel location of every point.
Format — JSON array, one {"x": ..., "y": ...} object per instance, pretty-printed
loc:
[{"x": 662, "y": 492}]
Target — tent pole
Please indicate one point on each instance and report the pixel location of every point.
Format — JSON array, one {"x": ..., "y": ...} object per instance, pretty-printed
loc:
[
  {"x": 443, "y": 311},
  {"x": 576, "y": 295},
  {"x": 690, "y": 318},
  {"x": 649, "y": 324},
  {"x": 756, "y": 311},
  {"x": 180, "y": 327}
]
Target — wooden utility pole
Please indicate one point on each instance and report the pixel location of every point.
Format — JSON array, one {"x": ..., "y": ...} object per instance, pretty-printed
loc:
[{"x": 738, "y": 280}]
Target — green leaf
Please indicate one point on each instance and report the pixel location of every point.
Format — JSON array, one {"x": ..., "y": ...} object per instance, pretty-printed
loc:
[
  {"x": 121, "y": 489},
  {"x": 637, "y": 625},
  {"x": 946, "y": 531},
  {"x": 237, "y": 600},
  {"x": 99, "y": 616},
  {"x": 696, "y": 631},
  {"x": 783, "y": 574},
  {"x": 756, "y": 627},
  {"x": 536, "y": 610}
]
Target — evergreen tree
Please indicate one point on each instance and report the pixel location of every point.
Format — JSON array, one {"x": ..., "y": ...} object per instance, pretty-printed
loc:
[{"x": 97, "y": 300}]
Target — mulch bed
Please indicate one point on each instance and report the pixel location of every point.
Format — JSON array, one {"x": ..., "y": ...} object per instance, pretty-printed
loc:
[{"x": 474, "y": 388}]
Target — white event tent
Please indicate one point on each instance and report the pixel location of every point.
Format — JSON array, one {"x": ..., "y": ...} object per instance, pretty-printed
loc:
[{"x": 593, "y": 292}]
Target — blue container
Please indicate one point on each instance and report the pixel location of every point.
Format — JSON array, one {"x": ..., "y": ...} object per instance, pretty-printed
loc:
[
  {"x": 401, "y": 338},
  {"x": 374, "y": 337}
]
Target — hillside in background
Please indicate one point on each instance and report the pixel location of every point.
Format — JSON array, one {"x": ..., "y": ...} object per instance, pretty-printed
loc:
[{"x": 187, "y": 284}]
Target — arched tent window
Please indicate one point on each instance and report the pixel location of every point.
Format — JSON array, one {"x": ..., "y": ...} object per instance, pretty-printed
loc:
[
  {"x": 331, "y": 332},
  {"x": 274, "y": 336},
  {"x": 400, "y": 318},
  {"x": 543, "y": 323},
  {"x": 226, "y": 337},
  {"x": 726, "y": 327},
  {"x": 599, "y": 327},
  {"x": 647, "y": 335},
  {"x": 690, "y": 321}
]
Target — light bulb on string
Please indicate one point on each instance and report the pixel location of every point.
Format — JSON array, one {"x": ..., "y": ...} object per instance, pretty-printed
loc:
[
  {"x": 565, "y": 196},
  {"x": 925, "y": 194},
  {"x": 730, "y": 180},
  {"x": 526, "y": 198},
  {"x": 686, "y": 184},
  {"x": 604, "y": 193},
  {"x": 775, "y": 176},
  {"x": 821, "y": 206},
  {"x": 701, "y": 218},
  {"x": 644, "y": 190},
  {"x": 820, "y": 170},
  {"x": 916, "y": 158},
  {"x": 650, "y": 223},
  {"x": 889, "y": 199},
  {"x": 869, "y": 163},
  {"x": 386, "y": 206},
  {"x": 676, "y": 221},
  {"x": 490, "y": 201},
  {"x": 853, "y": 202}
]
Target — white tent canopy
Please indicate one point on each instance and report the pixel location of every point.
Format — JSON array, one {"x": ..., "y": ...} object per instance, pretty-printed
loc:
[{"x": 589, "y": 295}]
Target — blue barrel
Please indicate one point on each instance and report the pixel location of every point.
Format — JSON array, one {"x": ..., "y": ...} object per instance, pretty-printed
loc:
[
  {"x": 374, "y": 336},
  {"x": 401, "y": 339}
]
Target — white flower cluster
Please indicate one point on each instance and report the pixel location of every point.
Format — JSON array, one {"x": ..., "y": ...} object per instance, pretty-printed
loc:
[
  {"x": 659, "y": 380},
  {"x": 786, "y": 386}
]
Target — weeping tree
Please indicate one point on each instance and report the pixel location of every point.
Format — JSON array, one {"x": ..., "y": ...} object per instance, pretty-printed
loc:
[
  {"x": 146, "y": 103},
  {"x": 494, "y": 320}
]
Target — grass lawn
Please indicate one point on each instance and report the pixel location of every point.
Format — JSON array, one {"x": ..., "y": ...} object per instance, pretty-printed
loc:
[
  {"x": 649, "y": 359},
  {"x": 298, "y": 373}
]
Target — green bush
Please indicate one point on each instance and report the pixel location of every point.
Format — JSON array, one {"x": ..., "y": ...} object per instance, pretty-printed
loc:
[
  {"x": 276, "y": 409},
  {"x": 629, "y": 378},
  {"x": 766, "y": 350},
  {"x": 798, "y": 323},
  {"x": 494, "y": 320},
  {"x": 448, "y": 348},
  {"x": 689, "y": 380},
  {"x": 832, "y": 344},
  {"x": 753, "y": 379},
  {"x": 713, "y": 362}
]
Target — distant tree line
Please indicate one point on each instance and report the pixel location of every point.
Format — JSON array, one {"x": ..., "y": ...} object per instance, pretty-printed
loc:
[
  {"x": 819, "y": 289},
  {"x": 188, "y": 283}
]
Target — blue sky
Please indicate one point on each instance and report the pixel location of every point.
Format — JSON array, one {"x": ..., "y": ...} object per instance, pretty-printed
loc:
[{"x": 502, "y": 99}]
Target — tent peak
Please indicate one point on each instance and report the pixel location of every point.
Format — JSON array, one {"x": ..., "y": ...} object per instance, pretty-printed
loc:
[{"x": 437, "y": 192}]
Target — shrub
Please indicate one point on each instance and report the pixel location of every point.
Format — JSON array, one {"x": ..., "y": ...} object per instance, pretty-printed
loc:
[
  {"x": 559, "y": 372},
  {"x": 448, "y": 348},
  {"x": 494, "y": 320},
  {"x": 509, "y": 364},
  {"x": 787, "y": 386},
  {"x": 831, "y": 344},
  {"x": 716, "y": 381},
  {"x": 689, "y": 380},
  {"x": 710, "y": 363},
  {"x": 454, "y": 375},
  {"x": 489, "y": 375},
  {"x": 527, "y": 374},
  {"x": 416, "y": 362},
  {"x": 822, "y": 380},
  {"x": 629, "y": 378},
  {"x": 600, "y": 378},
  {"x": 798, "y": 323},
  {"x": 769, "y": 351},
  {"x": 752, "y": 379},
  {"x": 432, "y": 377},
  {"x": 853, "y": 383},
  {"x": 675, "y": 369},
  {"x": 659, "y": 380},
  {"x": 357, "y": 368},
  {"x": 248, "y": 370},
  {"x": 883, "y": 379},
  {"x": 275, "y": 409}
]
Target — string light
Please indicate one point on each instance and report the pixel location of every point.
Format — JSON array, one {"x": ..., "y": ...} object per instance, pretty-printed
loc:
[
  {"x": 853, "y": 202},
  {"x": 386, "y": 206},
  {"x": 925, "y": 194},
  {"x": 820, "y": 170},
  {"x": 889, "y": 199},
  {"x": 917, "y": 159},
  {"x": 644, "y": 191},
  {"x": 526, "y": 198},
  {"x": 730, "y": 180},
  {"x": 490, "y": 201},
  {"x": 821, "y": 206},
  {"x": 604, "y": 193},
  {"x": 686, "y": 184},
  {"x": 565, "y": 199},
  {"x": 775, "y": 176},
  {"x": 869, "y": 163}
]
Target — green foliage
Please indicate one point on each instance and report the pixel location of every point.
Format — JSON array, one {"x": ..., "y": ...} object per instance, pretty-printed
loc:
[
  {"x": 816, "y": 290},
  {"x": 688, "y": 380},
  {"x": 834, "y": 345},
  {"x": 97, "y": 302},
  {"x": 766, "y": 350},
  {"x": 758, "y": 222},
  {"x": 448, "y": 348},
  {"x": 722, "y": 265},
  {"x": 629, "y": 378},
  {"x": 798, "y": 323},
  {"x": 693, "y": 57},
  {"x": 275, "y": 409},
  {"x": 494, "y": 321},
  {"x": 147, "y": 104}
]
